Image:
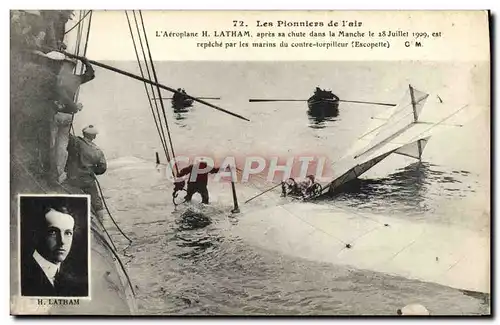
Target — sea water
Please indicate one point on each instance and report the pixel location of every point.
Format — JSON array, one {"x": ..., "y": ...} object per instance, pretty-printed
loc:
[{"x": 189, "y": 263}]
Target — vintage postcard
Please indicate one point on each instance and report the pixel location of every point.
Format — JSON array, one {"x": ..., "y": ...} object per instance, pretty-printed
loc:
[{"x": 274, "y": 163}]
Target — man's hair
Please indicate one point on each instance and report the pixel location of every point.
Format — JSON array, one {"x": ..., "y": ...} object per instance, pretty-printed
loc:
[
  {"x": 40, "y": 221},
  {"x": 59, "y": 208},
  {"x": 33, "y": 217}
]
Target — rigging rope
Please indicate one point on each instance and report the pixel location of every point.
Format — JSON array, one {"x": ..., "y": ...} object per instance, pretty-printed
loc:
[
  {"x": 160, "y": 133},
  {"x": 77, "y": 52},
  {"x": 77, "y": 24},
  {"x": 119, "y": 261},
  {"x": 158, "y": 89},
  {"x": 78, "y": 40},
  {"x": 84, "y": 52},
  {"x": 107, "y": 209},
  {"x": 81, "y": 67}
]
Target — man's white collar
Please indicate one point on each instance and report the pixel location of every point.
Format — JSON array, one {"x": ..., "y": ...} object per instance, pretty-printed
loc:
[{"x": 50, "y": 269}]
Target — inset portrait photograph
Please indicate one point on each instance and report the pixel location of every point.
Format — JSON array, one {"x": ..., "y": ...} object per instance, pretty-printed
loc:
[{"x": 54, "y": 245}]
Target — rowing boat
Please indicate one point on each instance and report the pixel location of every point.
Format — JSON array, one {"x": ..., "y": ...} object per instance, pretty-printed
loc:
[
  {"x": 325, "y": 107},
  {"x": 182, "y": 103}
]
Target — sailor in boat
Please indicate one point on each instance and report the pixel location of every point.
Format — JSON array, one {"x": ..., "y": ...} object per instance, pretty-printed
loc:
[
  {"x": 320, "y": 94},
  {"x": 85, "y": 161},
  {"x": 177, "y": 97},
  {"x": 197, "y": 182}
]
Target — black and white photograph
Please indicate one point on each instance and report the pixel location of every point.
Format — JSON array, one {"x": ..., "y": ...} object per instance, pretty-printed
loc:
[
  {"x": 260, "y": 163},
  {"x": 54, "y": 246}
]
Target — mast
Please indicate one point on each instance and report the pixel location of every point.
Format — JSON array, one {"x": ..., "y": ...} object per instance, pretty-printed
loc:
[
  {"x": 236, "y": 209},
  {"x": 415, "y": 119},
  {"x": 413, "y": 104}
]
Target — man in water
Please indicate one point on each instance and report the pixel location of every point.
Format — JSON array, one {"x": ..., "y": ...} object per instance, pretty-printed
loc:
[
  {"x": 198, "y": 180},
  {"x": 302, "y": 189},
  {"x": 305, "y": 187},
  {"x": 42, "y": 271},
  {"x": 85, "y": 161}
]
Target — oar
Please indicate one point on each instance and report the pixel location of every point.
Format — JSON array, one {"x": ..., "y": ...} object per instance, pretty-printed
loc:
[
  {"x": 253, "y": 100},
  {"x": 361, "y": 102},
  {"x": 133, "y": 76},
  {"x": 216, "y": 98}
]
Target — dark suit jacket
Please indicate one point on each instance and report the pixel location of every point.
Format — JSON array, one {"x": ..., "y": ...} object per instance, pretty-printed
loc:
[{"x": 34, "y": 282}]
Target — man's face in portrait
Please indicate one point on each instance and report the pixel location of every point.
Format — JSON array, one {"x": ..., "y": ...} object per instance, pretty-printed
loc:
[{"x": 57, "y": 236}]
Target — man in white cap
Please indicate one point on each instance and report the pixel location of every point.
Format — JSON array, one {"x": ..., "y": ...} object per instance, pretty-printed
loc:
[{"x": 85, "y": 161}]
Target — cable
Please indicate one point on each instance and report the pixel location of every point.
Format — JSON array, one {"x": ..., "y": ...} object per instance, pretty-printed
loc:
[
  {"x": 84, "y": 52},
  {"x": 158, "y": 89},
  {"x": 105, "y": 230},
  {"x": 78, "y": 39},
  {"x": 107, "y": 209},
  {"x": 78, "y": 23},
  {"x": 162, "y": 140},
  {"x": 77, "y": 52},
  {"x": 81, "y": 68},
  {"x": 167, "y": 153},
  {"x": 119, "y": 261}
]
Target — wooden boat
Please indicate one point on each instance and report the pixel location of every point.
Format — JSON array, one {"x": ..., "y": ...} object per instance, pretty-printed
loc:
[
  {"x": 326, "y": 104},
  {"x": 182, "y": 103}
]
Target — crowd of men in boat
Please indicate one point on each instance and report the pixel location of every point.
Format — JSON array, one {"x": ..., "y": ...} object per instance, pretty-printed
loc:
[
  {"x": 43, "y": 88},
  {"x": 178, "y": 97},
  {"x": 320, "y": 94}
]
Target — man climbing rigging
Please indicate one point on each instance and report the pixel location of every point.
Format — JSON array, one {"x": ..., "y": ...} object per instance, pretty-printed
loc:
[
  {"x": 85, "y": 161},
  {"x": 198, "y": 180}
]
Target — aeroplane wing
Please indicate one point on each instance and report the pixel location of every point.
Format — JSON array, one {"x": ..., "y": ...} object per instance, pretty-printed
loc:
[{"x": 404, "y": 129}]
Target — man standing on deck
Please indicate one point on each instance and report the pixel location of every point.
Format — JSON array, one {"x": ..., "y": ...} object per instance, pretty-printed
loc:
[
  {"x": 198, "y": 180},
  {"x": 69, "y": 83},
  {"x": 34, "y": 93},
  {"x": 85, "y": 161}
]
